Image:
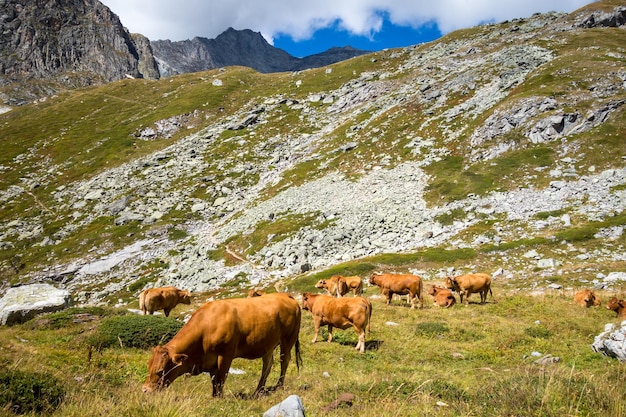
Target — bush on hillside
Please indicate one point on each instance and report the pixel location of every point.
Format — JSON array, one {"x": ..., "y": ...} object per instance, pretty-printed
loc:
[
  {"x": 134, "y": 331},
  {"x": 25, "y": 392}
]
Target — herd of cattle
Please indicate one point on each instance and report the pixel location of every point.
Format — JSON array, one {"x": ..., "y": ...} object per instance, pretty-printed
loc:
[{"x": 252, "y": 327}]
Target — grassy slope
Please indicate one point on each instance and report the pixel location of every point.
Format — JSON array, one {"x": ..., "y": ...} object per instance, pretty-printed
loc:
[{"x": 414, "y": 359}]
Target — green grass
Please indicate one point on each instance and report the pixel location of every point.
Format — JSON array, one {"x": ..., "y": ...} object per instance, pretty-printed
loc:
[{"x": 425, "y": 358}]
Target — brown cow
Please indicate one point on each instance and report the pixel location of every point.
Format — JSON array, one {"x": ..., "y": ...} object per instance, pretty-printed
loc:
[
  {"x": 163, "y": 298},
  {"x": 223, "y": 330},
  {"x": 586, "y": 298},
  {"x": 442, "y": 297},
  {"x": 619, "y": 306},
  {"x": 354, "y": 283},
  {"x": 470, "y": 283},
  {"x": 339, "y": 312},
  {"x": 401, "y": 284},
  {"x": 334, "y": 286}
]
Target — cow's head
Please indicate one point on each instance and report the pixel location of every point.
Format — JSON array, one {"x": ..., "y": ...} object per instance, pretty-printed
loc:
[
  {"x": 373, "y": 278},
  {"x": 185, "y": 297},
  {"x": 308, "y": 300},
  {"x": 615, "y": 304},
  {"x": 163, "y": 368},
  {"x": 321, "y": 284},
  {"x": 451, "y": 284},
  {"x": 433, "y": 290}
]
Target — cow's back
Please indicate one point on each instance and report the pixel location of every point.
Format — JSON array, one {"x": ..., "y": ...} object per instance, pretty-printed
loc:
[
  {"x": 249, "y": 325},
  {"x": 400, "y": 283},
  {"x": 474, "y": 282}
]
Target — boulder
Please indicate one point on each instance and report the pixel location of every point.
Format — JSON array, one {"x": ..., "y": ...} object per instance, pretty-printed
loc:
[
  {"x": 20, "y": 304},
  {"x": 612, "y": 342}
]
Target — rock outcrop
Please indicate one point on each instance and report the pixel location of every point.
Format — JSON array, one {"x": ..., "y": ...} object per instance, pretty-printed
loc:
[
  {"x": 612, "y": 341},
  {"x": 60, "y": 44}
]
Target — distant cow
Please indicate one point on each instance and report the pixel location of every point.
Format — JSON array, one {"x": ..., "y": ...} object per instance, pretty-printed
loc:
[
  {"x": 586, "y": 298},
  {"x": 401, "y": 284},
  {"x": 223, "y": 330},
  {"x": 619, "y": 306},
  {"x": 334, "y": 286},
  {"x": 163, "y": 298},
  {"x": 470, "y": 283},
  {"x": 339, "y": 312},
  {"x": 354, "y": 283},
  {"x": 255, "y": 293},
  {"x": 442, "y": 297}
]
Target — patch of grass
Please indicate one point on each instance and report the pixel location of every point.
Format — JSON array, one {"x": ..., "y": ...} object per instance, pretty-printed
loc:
[
  {"x": 134, "y": 331},
  {"x": 28, "y": 392},
  {"x": 66, "y": 317}
]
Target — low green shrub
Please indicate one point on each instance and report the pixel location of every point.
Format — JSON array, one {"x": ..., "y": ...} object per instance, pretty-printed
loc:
[
  {"x": 134, "y": 331},
  {"x": 26, "y": 392}
]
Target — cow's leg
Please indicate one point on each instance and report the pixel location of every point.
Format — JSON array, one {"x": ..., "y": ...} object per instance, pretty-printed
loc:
[
  {"x": 330, "y": 332},
  {"x": 317, "y": 330},
  {"x": 167, "y": 311},
  {"x": 360, "y": 346},
  {"x": 223, "y": 365},
  {"x": 285, "y": 357},
  {"x": 268, "y": 361}
]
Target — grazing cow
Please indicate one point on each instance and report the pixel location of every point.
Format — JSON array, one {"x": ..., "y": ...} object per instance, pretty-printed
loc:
[
  {"x": 586, "y": 298},
  {"x": 442, "y": 297},
  {"x": 470, "y": 283},
  {"x": 401, "y": 284},
  {"x": 223, "y": 330},
  {"x": 163, "y": 298},
  {"x": 334, "y": 286},
  {"x": 339, "y": 312},
  {"x": 619, "y": 306}
]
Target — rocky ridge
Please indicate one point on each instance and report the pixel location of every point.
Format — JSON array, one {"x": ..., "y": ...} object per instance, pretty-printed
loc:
[{"x": 381, "y": 210}]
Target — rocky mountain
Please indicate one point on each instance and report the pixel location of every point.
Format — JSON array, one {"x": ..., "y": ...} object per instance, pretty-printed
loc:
[
  {"x": 497, "y": 148},
  {"x": 60, "y": 44},
  {"x": 238, "y": 47}
]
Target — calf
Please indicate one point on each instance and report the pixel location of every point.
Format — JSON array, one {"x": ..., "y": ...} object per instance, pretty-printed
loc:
[
  {"x": 442, "y": 297},
  {"x": 586, "y": 298},
  {"x": 255, "y": 293},
  {"x": 353, "y": 283},
  {"x": 619, "y": 306},
  {"x": 470, "y": 283},
  {"x": 401, "y": 284},
  {"x": 339, "y": 312},
  {"x": 162, "y": 298}
]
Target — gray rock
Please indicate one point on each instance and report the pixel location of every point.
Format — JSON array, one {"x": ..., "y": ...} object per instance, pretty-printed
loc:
[
  {"x": 291, "y": 407},
  {"x": 21, "y": 304},
  {"x": 612, "y": 342}
]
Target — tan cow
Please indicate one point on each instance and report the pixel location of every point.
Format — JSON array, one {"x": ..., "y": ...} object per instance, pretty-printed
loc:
[
  {"x": 339, "y": 312},
  {"x": 223, "y": 330},
  {"x": 586, "y": 298},
  {"x": 619, "y": 306},
  {"x": 401, "y": 284},
  {"x": 335, "y": 287},
  {"x": 442, "y": 297},
  {"x": 162, "y": 298},
  {"x": 354, "y": 283},
  {"x": 470, "y": 283}
]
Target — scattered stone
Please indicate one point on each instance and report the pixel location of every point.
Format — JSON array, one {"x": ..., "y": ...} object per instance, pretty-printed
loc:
[
  {"x": 548, "y": 360},
  {"x": 291, "y": 407},
  {"x": 612, "y": 342},
  {"x": 21, "y": 304}
]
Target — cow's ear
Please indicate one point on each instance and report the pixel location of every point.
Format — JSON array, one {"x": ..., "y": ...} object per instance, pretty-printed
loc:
[{"x": 179, "y": 358}]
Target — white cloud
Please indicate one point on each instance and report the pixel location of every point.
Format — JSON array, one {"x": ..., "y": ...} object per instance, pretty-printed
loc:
[{"x": 184, "y": 19}]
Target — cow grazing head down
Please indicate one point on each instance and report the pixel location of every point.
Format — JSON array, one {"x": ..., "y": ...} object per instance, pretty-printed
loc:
[{"x": 163, "y": 368}]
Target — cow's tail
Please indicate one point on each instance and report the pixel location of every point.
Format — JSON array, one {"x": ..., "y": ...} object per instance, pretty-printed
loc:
[
  {"x": 142, "y": 302},
  {"x": 298, "y": 354}
]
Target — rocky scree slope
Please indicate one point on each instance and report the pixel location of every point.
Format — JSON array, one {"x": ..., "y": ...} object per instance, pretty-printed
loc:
[{"x": 373, "y": 167}]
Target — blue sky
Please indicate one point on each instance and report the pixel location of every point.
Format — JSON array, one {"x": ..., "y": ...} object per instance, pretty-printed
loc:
[{"x": 305, "y": 27}]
